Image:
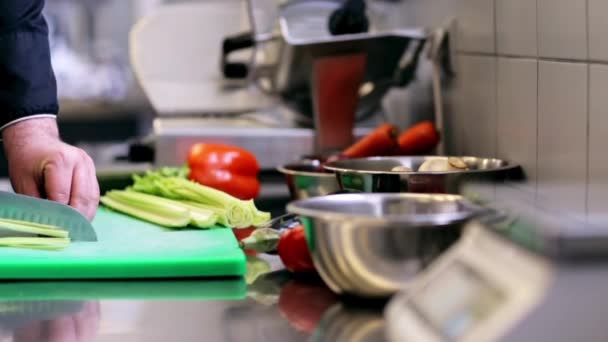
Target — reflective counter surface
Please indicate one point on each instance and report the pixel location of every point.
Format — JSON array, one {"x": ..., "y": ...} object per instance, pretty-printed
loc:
[{"x": 269, "y": 304}]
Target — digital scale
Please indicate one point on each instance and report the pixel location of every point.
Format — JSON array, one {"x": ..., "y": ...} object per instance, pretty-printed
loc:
[{"x": 531, "y": 276}]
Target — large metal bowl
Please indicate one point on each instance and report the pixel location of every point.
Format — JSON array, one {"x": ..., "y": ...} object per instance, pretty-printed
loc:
[
  {"x": 307, "y": 179},
  {"x": 371, "y": 245},
  {"x": 375, "y": 175}
]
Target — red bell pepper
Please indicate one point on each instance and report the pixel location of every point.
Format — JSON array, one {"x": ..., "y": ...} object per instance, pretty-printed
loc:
[{"x": 231, "y": 169}]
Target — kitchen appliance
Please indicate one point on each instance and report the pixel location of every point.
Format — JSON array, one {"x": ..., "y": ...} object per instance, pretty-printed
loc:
[
  {"x": 174, "y": 52},
  {"x": 371, "y": 245},
  {"x": 130, "y": 248},
  {"x": 296, "y": 68},
  {"x": 375, "y": 174},
  {"x": 531, "y": 274},
  {"x": 320, "y": 75}
]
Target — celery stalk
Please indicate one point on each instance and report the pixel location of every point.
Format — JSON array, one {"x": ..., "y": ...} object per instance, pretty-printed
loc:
[
  {"x": 200, "y": 217},
  {"x": 202, "y": 220},
  {"x": 160, "y": 210},
  {"x": 220, "y": 212},
  {"x": 238, "y": 213},
  {"x": 150, "y": 213},
  {"x": 154, "y": 204}
]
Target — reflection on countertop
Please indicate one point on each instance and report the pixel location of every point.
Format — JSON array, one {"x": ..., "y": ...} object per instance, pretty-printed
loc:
[{"x": 274, "y": 306}]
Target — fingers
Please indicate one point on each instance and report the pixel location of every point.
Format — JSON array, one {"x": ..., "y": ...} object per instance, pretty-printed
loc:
[
  {"x": 84, "y": 195},
  {"x": 58, "y": 173},
  {"x": 29, "y": 333},
  {"x": 62, "y": 329},
  {"x": 87, "y": 322},
  {"x": 69, "y": 178},
  {"x": 27, "y": 186}
]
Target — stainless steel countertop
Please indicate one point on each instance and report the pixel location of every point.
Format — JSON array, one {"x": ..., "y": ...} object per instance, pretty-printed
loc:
[{"x": 274, "y": 307}]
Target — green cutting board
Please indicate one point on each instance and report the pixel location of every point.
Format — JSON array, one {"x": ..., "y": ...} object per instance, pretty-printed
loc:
[{"x": 130, "y": 248}]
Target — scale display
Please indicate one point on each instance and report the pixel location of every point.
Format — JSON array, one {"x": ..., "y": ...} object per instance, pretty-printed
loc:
[{"x": 457, "y": 300}]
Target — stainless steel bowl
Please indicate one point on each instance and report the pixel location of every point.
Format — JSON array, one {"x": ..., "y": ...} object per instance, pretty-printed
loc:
[
  {"x": 375, "y": 175},
  {"x": 307, "y": 179},
  {"x": 371, "y": 245}
]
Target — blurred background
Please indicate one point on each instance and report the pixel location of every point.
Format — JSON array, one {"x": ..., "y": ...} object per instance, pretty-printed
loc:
[
  {"x": 527, "y": 88},
  {"x": 103, "y": 107}
]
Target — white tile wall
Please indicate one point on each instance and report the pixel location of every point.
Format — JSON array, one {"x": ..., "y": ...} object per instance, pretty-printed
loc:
[
  {"x": 562, "y": 29},
  {"x": 562, "y": 135},
  {"x": 598, "y": 140},
  {"x": 598, "y": 30},
  {"x": 477, "y": 109},
  {"x": 516, "y": 27},
  {"x": 516, "y": 119},
  {"x": 550, "y": 108},
  {"x": 475, "y": 26}
]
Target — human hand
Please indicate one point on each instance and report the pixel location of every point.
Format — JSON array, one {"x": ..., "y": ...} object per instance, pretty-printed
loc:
[
  {"x": 41, "y": 165},
  {"x": 80, "y": 327}
]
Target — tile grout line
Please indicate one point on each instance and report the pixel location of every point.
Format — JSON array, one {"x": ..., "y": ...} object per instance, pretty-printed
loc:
[
  {"x": 536, "y": 169},
  {"x": 588, "y": 138},
  {"x": 588, "y": 135},
  {"x": 495, "y": 13},
  {"x": 544, "y": 59},
  {"x": 495, "y": 77}
]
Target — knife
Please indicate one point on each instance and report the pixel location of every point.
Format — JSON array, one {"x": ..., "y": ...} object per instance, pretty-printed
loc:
[{"x": 25, "y": 208}]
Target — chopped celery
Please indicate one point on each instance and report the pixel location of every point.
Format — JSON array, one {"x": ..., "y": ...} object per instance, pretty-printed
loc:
[
  {"x": 36, "y": 243},
  {"x": 28, "y": 227},
  {"x": 29, "y": 224},
  {"x": 48, "y": 236}
]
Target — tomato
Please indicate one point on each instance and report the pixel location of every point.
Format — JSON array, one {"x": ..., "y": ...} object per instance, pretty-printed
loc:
[
  {"x": 303, "y": 304},
  {"x": 294, "y": 252}
]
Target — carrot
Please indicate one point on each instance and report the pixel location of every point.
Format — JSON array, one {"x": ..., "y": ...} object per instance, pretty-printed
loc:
[
  {"x": 381, "y": 141},
  {"x": 419, "y": 139}
]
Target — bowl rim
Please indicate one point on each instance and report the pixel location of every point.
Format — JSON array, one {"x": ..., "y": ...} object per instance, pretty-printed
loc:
[
  {"x": 439, "y": 219},
  {"x": 288, "y": 170},
  {"x": 331, "y": 166}
]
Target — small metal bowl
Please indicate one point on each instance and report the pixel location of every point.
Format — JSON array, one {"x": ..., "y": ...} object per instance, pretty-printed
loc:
[
  {"x": 375, "y": 175},
  {"x": 307, "y": 179},
  {"x": 371, "y": 245}
]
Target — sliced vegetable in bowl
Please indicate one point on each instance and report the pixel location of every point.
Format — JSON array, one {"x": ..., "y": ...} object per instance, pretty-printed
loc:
[{"x": 442, "y": 164}]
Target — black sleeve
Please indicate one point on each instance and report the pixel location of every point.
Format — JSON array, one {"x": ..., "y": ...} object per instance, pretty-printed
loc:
[{"x": 27, "y": 82}]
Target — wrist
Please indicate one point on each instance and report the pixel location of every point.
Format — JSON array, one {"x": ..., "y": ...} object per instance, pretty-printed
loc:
[
  {"x": 29, "y": 130},
  {"x": 43, "y": 124}
]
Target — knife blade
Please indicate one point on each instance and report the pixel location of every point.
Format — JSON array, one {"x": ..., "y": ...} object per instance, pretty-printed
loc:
[{"x": 25, "y": 208}]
